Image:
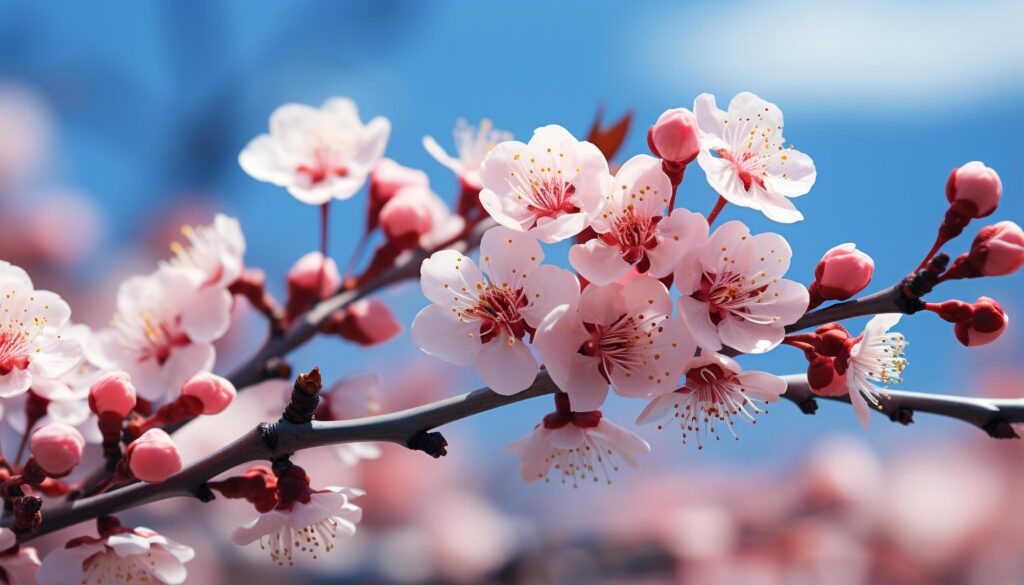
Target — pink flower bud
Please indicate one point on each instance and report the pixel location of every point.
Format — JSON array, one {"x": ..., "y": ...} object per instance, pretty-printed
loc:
[
  {"x": 369, "y": 322},
  {"x": 975, "y": 189},
  {"x": 312, "y": 277},
  {"x": 389, "y": 177},
  {"x": 214, "y": 392},
  {"x": 823, "y": 378},
  {"x": 57, "y": 448},
  {"x": 987, "y": 323},
  {"x": 674, "y": 136},
  {"x": 843, "y": 272},
  {"x": 998, "y": 250},
  {"x": 153, "y": 457},
  {"x": 406, "y": 215},
  {"x": 112, "y": 393}
]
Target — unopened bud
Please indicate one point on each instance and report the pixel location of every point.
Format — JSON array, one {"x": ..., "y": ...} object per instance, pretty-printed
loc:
[
  {"x": 674, "y": 137},
  {"x": 57, "y": 448},
  {"x": 986, "y": 323},
  {"x": 974, "y": 190},
  {"x": 407, "y": 216},
  {"x": 153, "y": 457},
  {"x": 841, "y": 273},
  {"x": 998, "y": 250},
  {"x": 112, "y": 394},
  {"x": 386, "y": 180},
  {"x": 215, "y": 392},
  {"x": 366, "y": 322}
]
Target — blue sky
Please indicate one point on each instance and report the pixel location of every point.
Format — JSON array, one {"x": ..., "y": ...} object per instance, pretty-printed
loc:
[{"x": 154, "y": 101}]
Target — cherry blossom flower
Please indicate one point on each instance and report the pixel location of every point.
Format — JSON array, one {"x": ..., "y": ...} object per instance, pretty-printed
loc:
[
  {"x": 317, "y": 154},
  {"x": 752, "y": 167},
  {"x": 119, "y": 555},
  {"x": 354, "y": 396},
  {"x": 877, "y": 357},
  {"x": 213, "y": 254},
  {"x": 547, "y": 187},
  {"x": 32, "y": 324},
  {"x": 733, "y": 293},
  {"x": 619, "y": 334},
  {"x": 305, "y": 520},
  {"x": 471, "y": 146},
  {"x": 17, "y": 567},
  {"x": 163, "y": 331},
  {"x": 482, "y": 318},
  {"x": 633, "y": 230},
  {"x": 715, "y": 392},
  {"x": 580, "y": 446}
]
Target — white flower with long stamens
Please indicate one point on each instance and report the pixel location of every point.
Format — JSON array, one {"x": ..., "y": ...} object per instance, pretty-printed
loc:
[
  {"x": 753, "y": 168},
  {"x": 632, "y": 229},
  {"x": 623, "y": 335},
  {"x": 471, "y": 147},
  {"x": 733, "y": 292},
  {"x": 32, "y": 326},
  {"x": 318, "y": 154},
  {"x": 548, "y": 187},
  {"x": 876, "y": 358},
  {"x": 482, "y": 318},
  {"x": 163, "y": 331},
  {"x": 121, "y": 555},
  {"x": 306, "y": 521},
  {"x": 581, "y": 446},
  {"x": 716, "y": 392},
  {"x": 213, "y": 253}
]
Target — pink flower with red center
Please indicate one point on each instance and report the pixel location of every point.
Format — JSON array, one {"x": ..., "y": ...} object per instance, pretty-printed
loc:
[
  {"x": 318, "y": 154},
  {"x": 118, "y": 555},
  {"x": 471, "y": 147},
  {"x": 580, "y": 446},
  {"x": 213, "y": 253},
  {"x": 716, "y": 392},
  {"x": 547, "y": 187},
  {"x": 751, "y": 167},
  {"x": 482, "y": 317},
  {"x": 632, "y": 229},
  {"x": 163, "y": 332},
  {"x": 733, "y": 292},
  {"x": 305, "y": 520},
  {"x": 619, "y": 334},
  {"x": 33, "y": 324}
]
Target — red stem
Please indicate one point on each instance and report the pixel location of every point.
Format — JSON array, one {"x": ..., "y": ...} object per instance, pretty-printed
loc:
[
  {"x": 719, "y": 206},
  {"x": 675, "y": 189},
  {"x": 939, "y": 241},
  {"x": 324, "y": 209}
]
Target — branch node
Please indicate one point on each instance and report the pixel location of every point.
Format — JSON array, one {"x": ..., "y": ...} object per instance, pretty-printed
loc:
[
  {"x": 1000, "y": 429},
  {"x": 305, "y": 398},
  {"x": 916, "y": 285},
  {"x": 433, "y": 444},
  {"x": 205, "y": 494},
  {"x": 902, "y": 415},
  {"x": 809, "y": 406}
]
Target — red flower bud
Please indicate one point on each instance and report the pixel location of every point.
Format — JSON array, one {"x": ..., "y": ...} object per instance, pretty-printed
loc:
[
  {"x": 113, "y": 394},
  {"x": 674, "y": 137},
  {"x": 153, "y": 457},
  {"x": 406, "y": 216},
  {"x": 998, "y": 250},
  {"x": 974, "y": 190},
  {"x": 986, "y": 323},
  {"x": 57, "y": 448},
  {"x": 842, "y": 272}
]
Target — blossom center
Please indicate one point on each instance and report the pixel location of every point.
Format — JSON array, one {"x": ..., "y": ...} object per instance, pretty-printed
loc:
[
  {"x": 713, "y": 396},
  {"x": 326, "y": 164},
  {"x": 749, "y": 166},
  {"x": 621, "y": 344},
  {"x": 634, "y": 235},
  {"x": 152, "y": 338},
  {"x": 499, "y": 311},
  {"x": 727, "y": 293}
]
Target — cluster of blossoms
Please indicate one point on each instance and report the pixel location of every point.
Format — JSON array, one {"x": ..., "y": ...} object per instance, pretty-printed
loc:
[{"x": 657, "y": 303}]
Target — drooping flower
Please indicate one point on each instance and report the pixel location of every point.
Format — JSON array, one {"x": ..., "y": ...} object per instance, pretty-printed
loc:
[
  {"x": 32, "y": 327},
  {"x": 733, "y": 292},
  {"x": 305, "y": 520},
  {"x": 752, "y": 167},
  {"x": 118, "y": 555},
  {"x": 619, "y": 334},
  {"x": 547, "y": 187},
  {"x": 471, "y": 146},
  {"x": 876, "y": 358},
  {"x": 213, "y": 254},
  {"x": 580, "y": 446},
  {"x": 632, "y": 229},
  {"x": 318, "y": 154},
  {"x": 163, "y": 331},
  {"x": 482, "y": 318},
  {"x": 716, "y": 392}
]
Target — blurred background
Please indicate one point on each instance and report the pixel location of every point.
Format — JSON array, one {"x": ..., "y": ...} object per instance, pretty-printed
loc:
[{"x": 120, "y": 121}]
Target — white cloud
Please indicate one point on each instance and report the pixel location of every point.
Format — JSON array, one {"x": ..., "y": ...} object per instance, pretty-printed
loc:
[{"x": 917, "y": 55}]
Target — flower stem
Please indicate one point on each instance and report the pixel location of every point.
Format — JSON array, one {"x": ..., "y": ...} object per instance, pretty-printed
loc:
[{"x": 719, "y": 206}]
